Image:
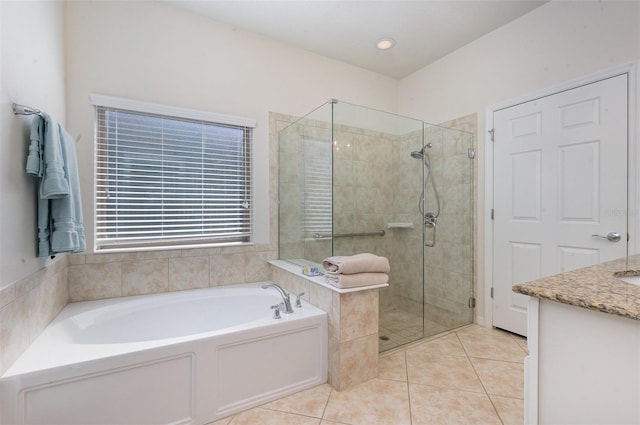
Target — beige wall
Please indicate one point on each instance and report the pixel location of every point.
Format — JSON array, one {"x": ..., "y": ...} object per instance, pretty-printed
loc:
[
  {"x": 559, "y": 41},
  {"x": 33, "y": 73},
  {"x": 155, "y": 52}
]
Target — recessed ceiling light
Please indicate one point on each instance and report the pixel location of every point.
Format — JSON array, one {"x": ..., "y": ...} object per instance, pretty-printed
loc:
[{"x": 385, "y": 43}]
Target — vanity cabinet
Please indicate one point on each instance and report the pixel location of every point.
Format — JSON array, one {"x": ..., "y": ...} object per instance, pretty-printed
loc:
[
  {"x": 584, "y": 347},
  {"x": 583, "y": 366}
]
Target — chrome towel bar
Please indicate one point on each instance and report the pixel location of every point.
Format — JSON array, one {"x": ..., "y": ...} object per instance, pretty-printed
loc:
[{"x": 24, "y": 110}]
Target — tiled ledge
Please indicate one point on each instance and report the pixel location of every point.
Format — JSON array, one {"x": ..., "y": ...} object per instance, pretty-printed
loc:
[
  {"x": 353, "y": 323},
  {"x": 320, "y": 280}
]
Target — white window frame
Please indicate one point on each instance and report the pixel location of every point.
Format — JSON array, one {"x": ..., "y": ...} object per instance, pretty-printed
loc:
[{"x": 147, "y": 108}]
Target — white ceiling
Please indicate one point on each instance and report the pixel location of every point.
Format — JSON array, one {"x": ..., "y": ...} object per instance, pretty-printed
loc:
[{"x": 425, "y": 30}]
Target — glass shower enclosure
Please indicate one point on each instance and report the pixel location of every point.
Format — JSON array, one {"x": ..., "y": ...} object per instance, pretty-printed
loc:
[{"x": 353, "y": 179}]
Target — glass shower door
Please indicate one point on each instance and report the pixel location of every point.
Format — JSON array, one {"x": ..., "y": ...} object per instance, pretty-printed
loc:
[
  {"x": 376, "y": 187},
  {"x": 449, "y": 213}
]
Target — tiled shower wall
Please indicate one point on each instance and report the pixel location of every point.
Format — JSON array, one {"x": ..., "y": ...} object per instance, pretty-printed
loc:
[{"x": 376, "y": 183}]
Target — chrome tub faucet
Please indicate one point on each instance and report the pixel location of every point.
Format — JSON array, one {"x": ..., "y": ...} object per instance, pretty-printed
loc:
[{"x": 285, "y": 297}]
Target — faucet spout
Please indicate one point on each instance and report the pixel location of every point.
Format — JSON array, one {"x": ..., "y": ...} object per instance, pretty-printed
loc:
[{"x": 285, "y": 297}]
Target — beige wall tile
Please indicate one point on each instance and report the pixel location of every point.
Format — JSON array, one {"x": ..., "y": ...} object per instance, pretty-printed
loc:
[
  {"x": 188, "y": 273},
  {"x": 358, "y": 314},
  {"x": 145, "y": 277},
  {"x": 226, "y": 269},
  {"x": 257, "y": 267},
  {"x": 7, "y": 295},
  {"x": 358, "y": 361},
  {"x": 322, "y": 298},
  {"x": 75, "y": 259},
  {"x": 28, "y": 307},
  {"x": 30, "y": 282},
  {"x": 106, "y": 258},
  {"x": 334, "y": 362},
  {"x": 95, "y": 281},
  {"x": 14, "y": 331},
  {"x": 199, "y": 252}
]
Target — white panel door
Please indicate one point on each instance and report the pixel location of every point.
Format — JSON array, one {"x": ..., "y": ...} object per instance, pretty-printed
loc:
[{"x": 560, "y": 176}]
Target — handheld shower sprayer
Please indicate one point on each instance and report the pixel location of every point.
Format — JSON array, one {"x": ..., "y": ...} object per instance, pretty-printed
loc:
[{"x": 430, "y": 218}]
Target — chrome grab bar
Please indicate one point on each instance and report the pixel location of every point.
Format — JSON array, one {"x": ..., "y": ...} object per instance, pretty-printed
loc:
[{"x": 348, "y": 235}]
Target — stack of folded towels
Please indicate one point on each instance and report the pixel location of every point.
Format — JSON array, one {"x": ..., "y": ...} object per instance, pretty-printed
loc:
[{"x": 356, "y": 270}]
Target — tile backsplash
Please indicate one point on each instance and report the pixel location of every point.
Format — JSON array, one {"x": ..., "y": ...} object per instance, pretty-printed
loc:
[
  {"x": 27, "y": 307},
  {"x": 95, "y": 276}
]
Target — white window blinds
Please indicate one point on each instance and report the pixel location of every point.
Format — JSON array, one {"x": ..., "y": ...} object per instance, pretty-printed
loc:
[
  {"x": 317, "y": 199},
  {"x": 168, "y": 181}
]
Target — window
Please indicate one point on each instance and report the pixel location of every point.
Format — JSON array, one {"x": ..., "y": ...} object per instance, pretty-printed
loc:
[{"x": 168, "y": 177}]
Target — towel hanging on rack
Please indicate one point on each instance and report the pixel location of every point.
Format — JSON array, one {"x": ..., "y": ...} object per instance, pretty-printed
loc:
[{"x": 52, "y": 158}]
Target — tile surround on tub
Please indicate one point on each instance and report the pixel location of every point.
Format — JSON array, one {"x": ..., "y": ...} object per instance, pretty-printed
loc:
[
  {"x": 97, "y": 276},
  {"x": 27, "y": 307},
  {"x": 353, "y": 323}
]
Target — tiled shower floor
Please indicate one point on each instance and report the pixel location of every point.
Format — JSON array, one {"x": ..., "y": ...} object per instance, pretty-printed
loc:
[{"x": 473, "y": 375}]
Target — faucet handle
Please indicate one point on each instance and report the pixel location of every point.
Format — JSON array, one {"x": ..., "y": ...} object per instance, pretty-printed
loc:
[
  {"x": 298, "y": 302},
  {"x": 276, "y": 311}
]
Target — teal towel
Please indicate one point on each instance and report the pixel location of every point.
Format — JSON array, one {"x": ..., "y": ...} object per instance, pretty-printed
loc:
[
  {"x": 60, "y": 225},
  {"x": 36, "y": 149},
  {"x": 54, "y": 179}
]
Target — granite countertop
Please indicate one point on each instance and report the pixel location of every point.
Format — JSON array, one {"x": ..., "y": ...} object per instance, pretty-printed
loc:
[{"x": 592, "y": 287}]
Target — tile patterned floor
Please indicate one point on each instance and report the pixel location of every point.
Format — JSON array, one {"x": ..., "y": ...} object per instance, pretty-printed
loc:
[
  {"x": 399, "y": 327},
  {"x": 471, "y": 376}
]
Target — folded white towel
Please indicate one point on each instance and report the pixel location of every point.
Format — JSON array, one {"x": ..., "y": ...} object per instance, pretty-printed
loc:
[
  {"x": 353, "y": 280},
  {"x": 359, "y": 263}
]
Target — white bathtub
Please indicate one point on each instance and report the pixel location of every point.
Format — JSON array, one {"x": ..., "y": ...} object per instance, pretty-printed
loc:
[{"x": 187, "y": 357}]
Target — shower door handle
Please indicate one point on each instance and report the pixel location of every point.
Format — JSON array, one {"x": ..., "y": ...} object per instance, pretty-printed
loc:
[{"x": 431, "y": 244}]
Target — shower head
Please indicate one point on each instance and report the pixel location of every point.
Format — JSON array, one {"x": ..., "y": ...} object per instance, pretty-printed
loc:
[{"x": 420, "y": 154}]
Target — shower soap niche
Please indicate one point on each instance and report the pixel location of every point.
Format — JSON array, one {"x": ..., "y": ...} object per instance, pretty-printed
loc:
[{"x": 400, "y": 225}]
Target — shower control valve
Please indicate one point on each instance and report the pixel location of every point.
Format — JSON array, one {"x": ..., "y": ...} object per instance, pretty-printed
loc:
[{"x": 430, "y": 219}]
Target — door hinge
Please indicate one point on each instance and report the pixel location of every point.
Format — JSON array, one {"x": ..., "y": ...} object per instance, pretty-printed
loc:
[
  {"x": 492, "y": 132},
  {"x": 472, "y": 302},
  {"x": 492, "y": 213},
  {"x": 492, "y": 292},
  {"x": 471, "y": 153}
]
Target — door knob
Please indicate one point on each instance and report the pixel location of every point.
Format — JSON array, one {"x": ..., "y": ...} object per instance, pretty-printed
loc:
[{"x": 611, "y": 236}]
